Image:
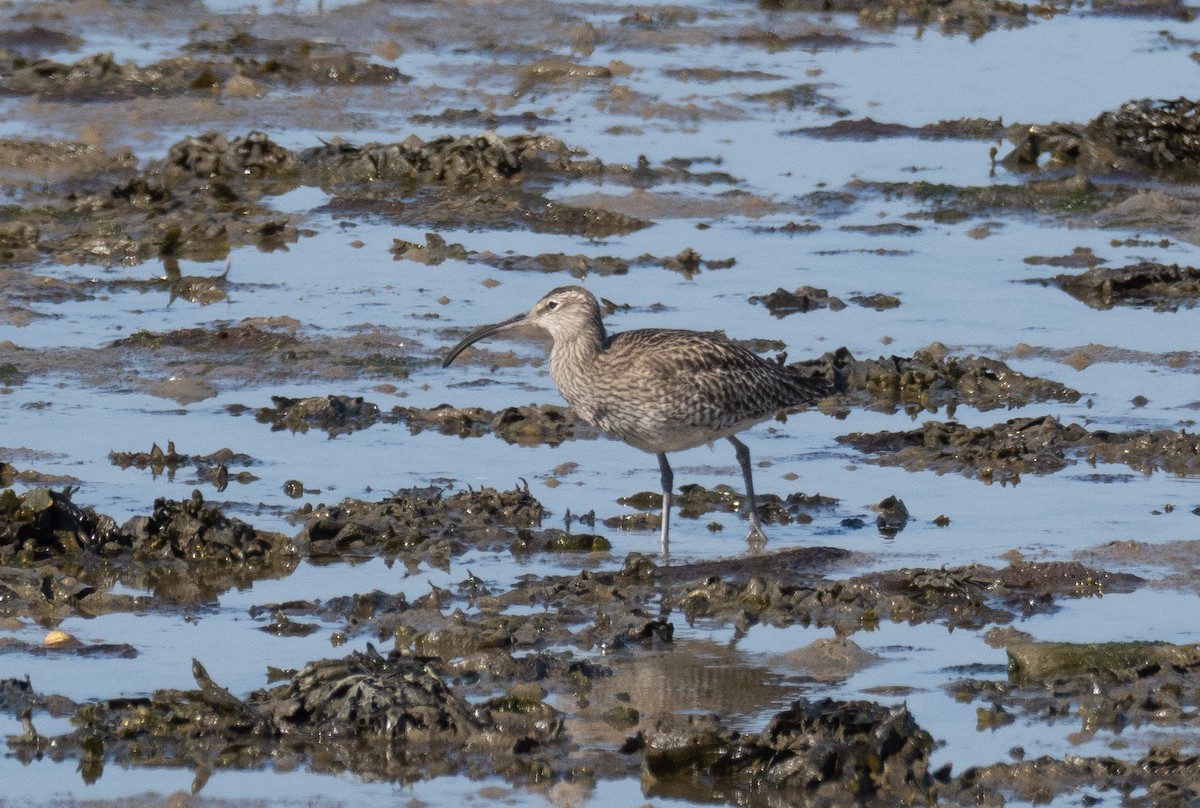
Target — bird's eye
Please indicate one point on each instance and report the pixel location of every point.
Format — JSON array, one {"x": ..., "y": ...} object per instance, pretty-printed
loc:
[{"x": 552, "y": 305}]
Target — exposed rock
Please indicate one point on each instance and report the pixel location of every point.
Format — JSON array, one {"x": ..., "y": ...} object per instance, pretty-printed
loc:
[
  {"x": 1159, "y": 286},
  {"x": 525, "y": 425},
  {"x": 932, "y": 378},
  {"x": 1002, "y": 453},
  {"x": 377, "y": 717},
  {"x": 337, "y": 415},
  {"x": 822, "y": 752},
  {"x": 781, "y": 302}
]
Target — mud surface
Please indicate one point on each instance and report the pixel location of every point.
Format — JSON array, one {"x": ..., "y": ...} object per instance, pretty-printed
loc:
[{"x": 235, "y": 243}]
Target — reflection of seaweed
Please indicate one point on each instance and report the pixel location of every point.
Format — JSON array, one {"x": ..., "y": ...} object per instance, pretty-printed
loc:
[
  {"x": 212, "y": 468},
  {"x": 695, "y": 501}
]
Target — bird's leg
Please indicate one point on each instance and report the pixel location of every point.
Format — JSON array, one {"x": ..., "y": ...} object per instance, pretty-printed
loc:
[
  {"x": 756, "y": 534},
  {"x": 668, "y": 483}
]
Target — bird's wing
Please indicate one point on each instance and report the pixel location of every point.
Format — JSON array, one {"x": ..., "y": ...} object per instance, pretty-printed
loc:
[{"x": 709, "y": 378}]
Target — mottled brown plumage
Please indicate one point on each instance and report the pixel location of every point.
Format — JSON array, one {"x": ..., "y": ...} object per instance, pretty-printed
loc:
[{"x": 659, "y": 390}]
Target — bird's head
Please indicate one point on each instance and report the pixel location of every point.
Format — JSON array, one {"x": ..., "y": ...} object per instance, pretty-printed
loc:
[{"x": 565, "y": 313}]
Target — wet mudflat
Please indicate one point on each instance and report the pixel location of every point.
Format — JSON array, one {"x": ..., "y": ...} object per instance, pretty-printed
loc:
[{"x": 257, "y": 546}]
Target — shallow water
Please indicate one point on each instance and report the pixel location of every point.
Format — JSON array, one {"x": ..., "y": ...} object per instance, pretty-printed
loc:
[{"x": 955, "y": 288}]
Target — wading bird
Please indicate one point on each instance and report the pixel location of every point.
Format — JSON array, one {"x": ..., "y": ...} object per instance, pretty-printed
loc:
[{"x": 659, "y": 390}]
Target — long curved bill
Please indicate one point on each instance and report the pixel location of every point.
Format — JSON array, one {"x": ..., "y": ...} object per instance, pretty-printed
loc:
[{"x": 480, "y": 333}]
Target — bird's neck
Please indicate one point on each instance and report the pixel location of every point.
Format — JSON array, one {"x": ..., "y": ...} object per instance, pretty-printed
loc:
[{"x": 573, "y": 356}]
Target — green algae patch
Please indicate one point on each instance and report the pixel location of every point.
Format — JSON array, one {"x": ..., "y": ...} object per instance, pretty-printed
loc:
[{"x": 1046, "y": 661}]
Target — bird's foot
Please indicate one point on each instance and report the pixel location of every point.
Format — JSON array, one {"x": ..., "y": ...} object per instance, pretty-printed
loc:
[{"x": 757, "y": 537}]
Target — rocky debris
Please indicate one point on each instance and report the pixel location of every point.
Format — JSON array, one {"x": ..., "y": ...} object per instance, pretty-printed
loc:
[
  {"x": 796, "y": 96},
  {"x": 193, "y": 364},
  {"x": 421, "y": 521},
  {"x": 555, "y": 71},
  {"x": 18, "y": 241},
  {"x": 397, "y": 717},
  {"x": 205, "y": 196},
  {"x": 67, "y": 646},
  {"x": 868, "y": 129},
  {"x": 99, "y": 77},
  {"x": 42, "y": 524},
  {"x": 787, "y": 587},
  {"x": 1112, "y": 687},
  {"x": 464, "y": 160},
  {"x": 188, "y": 531},
  {"x": 212, "y": 155},
  {"x": 373, "y": 613},
  {"x": 436, "y": 250},
  {"x": 1079, "y": 258},
  {"x": 1165, "y": 775},
  {"x": 1147, "y": 451},
  {"x": 577, "y": 266},
  {"x": 500, "y": 208},
  {"x": 33, "y": 39},
  {"x": 973, "y": 18},
  {"x": 882, "y": 229},
  {"x": 892, "y": 516},
  {"x": 526, "y": 425},
  {"x": 185, "y": 551},
  {"x": 203, "y": 290},
  {"x": 337, "y": 415},
  {"x": 368, "y": 695},
  {"x": 1031, "y": 663},
  {"x": 18, "y": 697},
  {"x": 971, "y": 596},
  {"x": 554, "y": 540},
  {"x": 781, "y": 302},
  {"x": 1155, "y": 136},
  {"x": 60, "y": 165},
  {"x": 447, "y": 160},
  {"x": 266, "y": 335},
  {"x": 1162, "y": 287},
  {"x": 377, "y": 717},
  {"x": 1062, "y": 199},
  {"x": 822, "y": 752},
  {"x": 877, "y": 301},
  {"x": 933, "y": 378},
  {"x": 1002, "y": 453}
]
